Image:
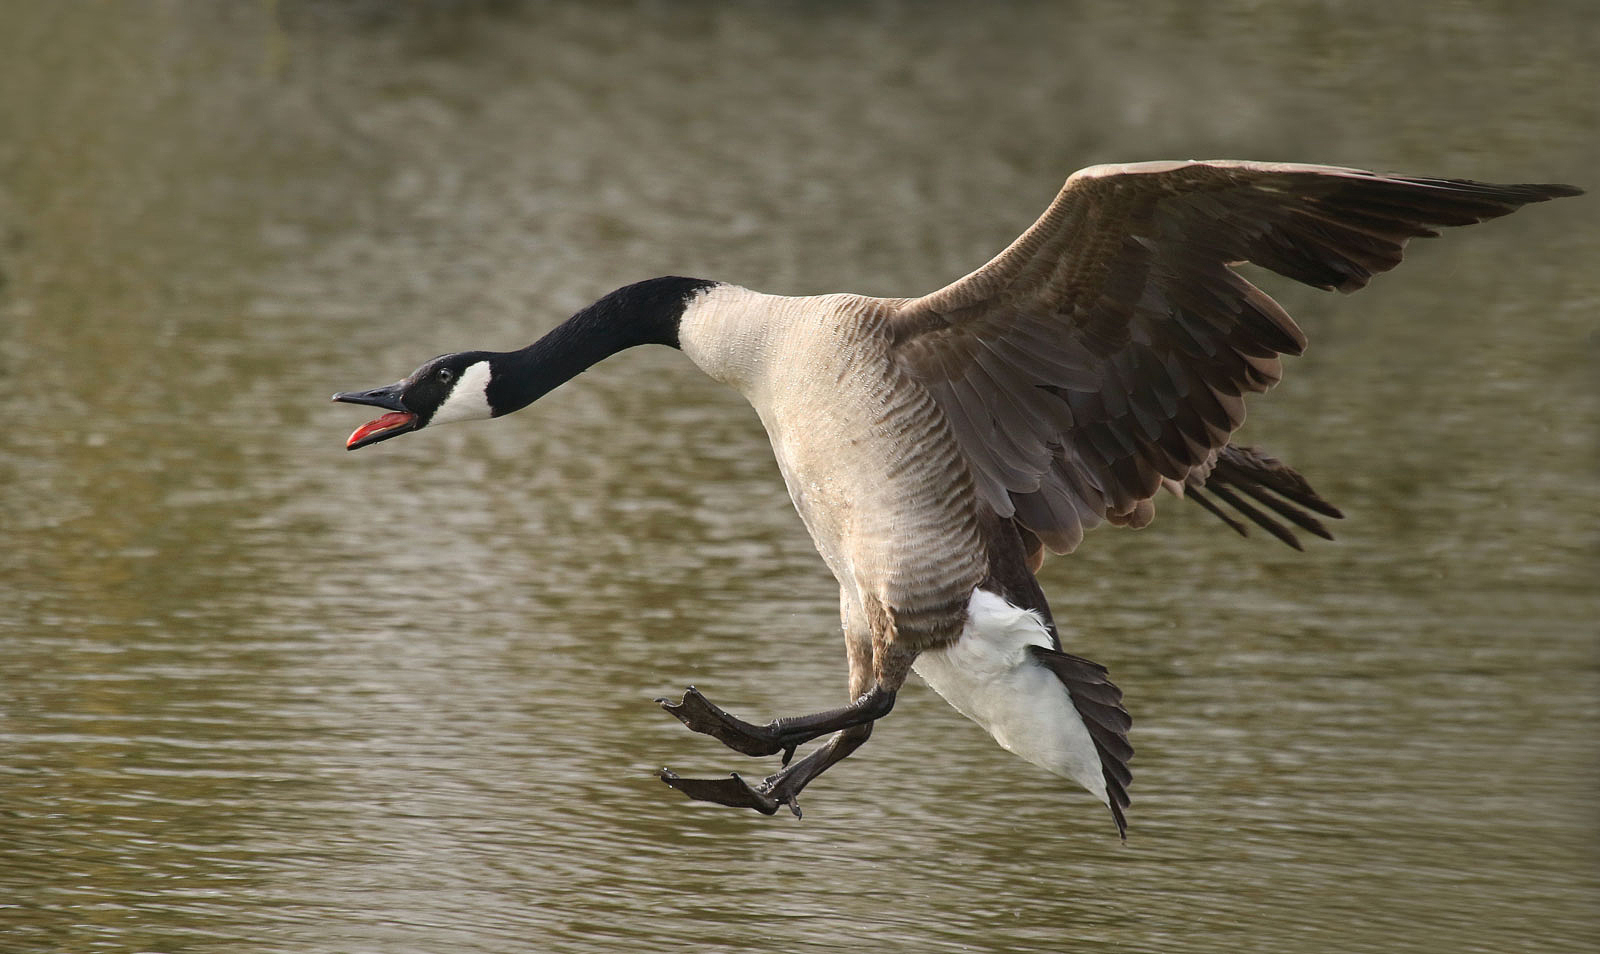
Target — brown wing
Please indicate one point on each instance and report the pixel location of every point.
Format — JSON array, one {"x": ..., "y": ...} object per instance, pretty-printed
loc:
[{"x": 1110, "y": 345}]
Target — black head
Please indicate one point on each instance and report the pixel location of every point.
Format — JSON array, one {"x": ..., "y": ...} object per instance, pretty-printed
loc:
[
  {"x": 451, "y": 387},
  {"x": 480, "y": 384}
]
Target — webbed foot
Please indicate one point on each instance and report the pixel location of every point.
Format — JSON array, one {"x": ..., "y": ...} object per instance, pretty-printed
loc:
[
  {"x": 850, "y": 726},
  {"x": 700, "y": 714},
  {"x": 735, "y": 792}
]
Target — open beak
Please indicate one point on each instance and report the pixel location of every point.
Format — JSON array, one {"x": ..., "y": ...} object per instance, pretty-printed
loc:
[{"x": 399, "y": 421}]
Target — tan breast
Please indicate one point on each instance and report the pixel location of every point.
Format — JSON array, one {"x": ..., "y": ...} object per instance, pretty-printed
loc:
[{"x": 869, "y": 459}]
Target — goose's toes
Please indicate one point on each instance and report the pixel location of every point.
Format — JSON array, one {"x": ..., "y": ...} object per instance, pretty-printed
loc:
[
  {"x": 732, "y": 791},
  {"x": 700, "y": 714}
]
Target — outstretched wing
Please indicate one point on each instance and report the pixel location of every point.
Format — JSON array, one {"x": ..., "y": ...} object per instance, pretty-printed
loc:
[{"x": 1110, "y": 346}]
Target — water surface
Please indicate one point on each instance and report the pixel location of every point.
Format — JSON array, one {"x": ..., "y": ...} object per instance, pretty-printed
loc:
[{"x": 260, "y": 694}]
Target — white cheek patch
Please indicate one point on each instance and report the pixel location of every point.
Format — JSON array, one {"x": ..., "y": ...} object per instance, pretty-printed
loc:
[{"x": 469, "y": 399}]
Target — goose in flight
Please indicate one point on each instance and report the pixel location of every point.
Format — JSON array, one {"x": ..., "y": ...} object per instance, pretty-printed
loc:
[{"x": 936, "y": 447}]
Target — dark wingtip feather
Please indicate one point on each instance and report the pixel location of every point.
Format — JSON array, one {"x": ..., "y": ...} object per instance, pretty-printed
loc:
[
  {"x": 1417, "y": 206},
  {"x": 1237, "y": 460},
  {"x": 1538, "y": 191},
  {"x": 1284, "y": 509},
  {"x": 1240, "y": 472},
  {"x": 1256, "y": 516},
  {"x": 1193, "y": 493}
]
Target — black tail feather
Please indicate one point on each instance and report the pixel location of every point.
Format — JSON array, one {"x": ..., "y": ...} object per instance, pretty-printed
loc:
[{"x": 1099, "y": 704}]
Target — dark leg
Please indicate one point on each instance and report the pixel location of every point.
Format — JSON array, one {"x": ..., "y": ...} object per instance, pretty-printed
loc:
[
  {"x": 877, "y": 670},
  {"x": 779, "y": 735},
  {"x": 780, "y": 789}
]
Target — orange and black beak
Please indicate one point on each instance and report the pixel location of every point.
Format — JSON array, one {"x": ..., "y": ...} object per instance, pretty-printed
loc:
[{"x": 389, "y": 397}]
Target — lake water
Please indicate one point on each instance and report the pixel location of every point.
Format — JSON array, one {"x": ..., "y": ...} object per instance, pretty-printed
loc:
[{"x": 258, "y": 694}]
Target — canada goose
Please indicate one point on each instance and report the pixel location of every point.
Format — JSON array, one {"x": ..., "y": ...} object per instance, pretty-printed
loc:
[{"x": 936, "y": 446}]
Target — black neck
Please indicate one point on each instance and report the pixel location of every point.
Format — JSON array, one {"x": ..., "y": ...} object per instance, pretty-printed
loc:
[{"x": 646, "y": 312}]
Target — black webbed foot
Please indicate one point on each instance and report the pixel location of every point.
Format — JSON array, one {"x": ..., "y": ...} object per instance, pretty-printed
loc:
[
  {"x": 700, "y": 714},
  {"x": 850, "y": 726},
  {"x": 735, "y": 792}
]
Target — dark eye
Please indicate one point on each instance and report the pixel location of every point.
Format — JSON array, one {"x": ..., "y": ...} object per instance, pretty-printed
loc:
[{"x": 445, "y": 375}]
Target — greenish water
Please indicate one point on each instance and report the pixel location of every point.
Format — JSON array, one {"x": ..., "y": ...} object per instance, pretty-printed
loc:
[{"x": 258, "y": 694}]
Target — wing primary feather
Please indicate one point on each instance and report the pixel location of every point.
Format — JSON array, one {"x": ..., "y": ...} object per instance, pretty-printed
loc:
[
  {"x": 1256, "y": 516},
  {"x": 1236, "y": 462},
  {"x": 1283, "y": 509},
  {"x": 1199, "y": 497}
]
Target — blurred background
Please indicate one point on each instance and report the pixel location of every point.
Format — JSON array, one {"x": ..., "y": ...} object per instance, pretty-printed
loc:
[{"x": 260, "y": 694}]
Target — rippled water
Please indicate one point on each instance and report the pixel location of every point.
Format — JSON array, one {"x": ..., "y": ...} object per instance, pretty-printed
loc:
[{"x": 260, "y": 694}]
